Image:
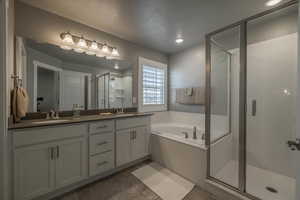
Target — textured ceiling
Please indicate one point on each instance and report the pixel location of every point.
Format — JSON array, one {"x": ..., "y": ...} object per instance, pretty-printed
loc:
[{"x": 154, "y": 23}]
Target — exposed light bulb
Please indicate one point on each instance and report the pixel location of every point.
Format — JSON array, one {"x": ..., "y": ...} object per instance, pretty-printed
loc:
[
  {"x": 94, "y": 46},
  {"x": 78, "y": 50},
  {"x": 90, "y": 53},
  {"x": 115, "y": 52},
  {"x": 273, "y": 2},
  {"x": 67, "y": 38},
  {"x": 100, "y": 55},
  {"x": 117, "y": 66},
  {"x": 82, "y": 43},
  {"x": 65, "y": 47},
  {"x": 105, "y": 48},
  {"x": 179, "y": 40}
]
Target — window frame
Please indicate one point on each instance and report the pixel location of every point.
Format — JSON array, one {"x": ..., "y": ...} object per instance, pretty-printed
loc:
[{"x": 151, "y": 107}]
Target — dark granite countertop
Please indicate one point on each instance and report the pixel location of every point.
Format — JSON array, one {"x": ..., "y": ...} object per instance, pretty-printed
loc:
[{"x": 70, "y": 120}]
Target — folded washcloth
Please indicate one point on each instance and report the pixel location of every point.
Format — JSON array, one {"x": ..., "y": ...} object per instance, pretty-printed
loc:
[{"x": 189, "y": 91}]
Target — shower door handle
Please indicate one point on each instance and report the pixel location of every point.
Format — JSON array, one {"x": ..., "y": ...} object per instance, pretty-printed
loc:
[{"x": 254, "y": 107}]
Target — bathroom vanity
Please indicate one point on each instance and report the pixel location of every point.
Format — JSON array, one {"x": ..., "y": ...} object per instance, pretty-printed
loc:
[{"x": 48, "y": 158}]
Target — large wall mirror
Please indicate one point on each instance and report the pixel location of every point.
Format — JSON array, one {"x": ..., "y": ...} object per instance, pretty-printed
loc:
[{"x": 58, "y": 79}]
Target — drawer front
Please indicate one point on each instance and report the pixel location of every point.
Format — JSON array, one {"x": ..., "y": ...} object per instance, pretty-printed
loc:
[
  {"x": 101, "y": 163},
  {"x": 132, "y": 122},
  {"x": 101, "y": 143},
  {"x": 46, "y": 134},
  {"x": 102, "y": 126}
]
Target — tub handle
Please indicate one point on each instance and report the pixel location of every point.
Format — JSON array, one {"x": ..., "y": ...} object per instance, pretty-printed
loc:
[{"x": 254, "y": 107}]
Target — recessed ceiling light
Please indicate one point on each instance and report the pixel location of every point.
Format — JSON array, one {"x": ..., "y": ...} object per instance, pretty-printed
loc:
[
  {"x": 273, "y": 2},
  {"x": 179, "y": 40}
]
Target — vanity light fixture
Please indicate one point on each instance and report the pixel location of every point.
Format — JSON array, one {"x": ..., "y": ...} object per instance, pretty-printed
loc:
[
  {"x": 273, "y": 2},
  {"x": 115, "y": 52},
  {"x": 65, "y": 47},
  {"x": 94, "y": 46},
  {"x": 105, "y": 48},
  {"x": 67, "y": 38},
  {"x": 82, "y": 45}
]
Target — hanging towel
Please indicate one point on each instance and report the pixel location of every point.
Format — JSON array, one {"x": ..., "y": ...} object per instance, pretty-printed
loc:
[{"x": 19, "y": 103}]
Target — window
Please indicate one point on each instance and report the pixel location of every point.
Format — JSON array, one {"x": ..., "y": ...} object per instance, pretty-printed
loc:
[{"x": 152, "y": 85}]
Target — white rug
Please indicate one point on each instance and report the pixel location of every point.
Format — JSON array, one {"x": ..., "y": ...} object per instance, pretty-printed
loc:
[{"x": 163, "y": 182}]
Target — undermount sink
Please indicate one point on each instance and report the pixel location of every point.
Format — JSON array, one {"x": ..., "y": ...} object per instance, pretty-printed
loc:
[{"x": 51, "y": 121}]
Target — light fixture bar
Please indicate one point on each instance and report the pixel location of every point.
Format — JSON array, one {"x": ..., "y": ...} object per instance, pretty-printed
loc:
[{"x": 82, "y": 45}]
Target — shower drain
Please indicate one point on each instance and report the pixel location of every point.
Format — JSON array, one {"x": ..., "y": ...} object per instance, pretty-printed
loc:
[{"x": 270, "y": 189}]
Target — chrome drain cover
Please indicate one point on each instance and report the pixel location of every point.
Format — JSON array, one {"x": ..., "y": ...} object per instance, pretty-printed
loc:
[{"x": 270, "y": 189}]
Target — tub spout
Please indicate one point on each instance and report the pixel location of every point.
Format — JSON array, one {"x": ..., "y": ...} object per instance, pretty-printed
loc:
[{"x": 195, "y": 133}]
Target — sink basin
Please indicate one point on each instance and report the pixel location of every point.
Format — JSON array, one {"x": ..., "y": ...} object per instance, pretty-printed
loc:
[{"x": 51, "y": 121}]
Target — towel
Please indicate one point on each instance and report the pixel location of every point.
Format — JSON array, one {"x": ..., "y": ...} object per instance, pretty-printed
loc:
[
  {"x": 197, "y": 96},
  {"x": 189, "y": 91},
  {"x": 19, "y": 103}
]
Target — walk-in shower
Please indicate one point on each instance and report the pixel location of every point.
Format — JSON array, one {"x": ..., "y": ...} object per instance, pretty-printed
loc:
[{"x": 252, "y": 77}]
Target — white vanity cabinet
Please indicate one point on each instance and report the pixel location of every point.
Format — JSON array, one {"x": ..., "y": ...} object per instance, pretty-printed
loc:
[
  {"x": 132, "y": 138},
  {"x": 48, "y": 160},
  {"x": 53, "y": 158}
]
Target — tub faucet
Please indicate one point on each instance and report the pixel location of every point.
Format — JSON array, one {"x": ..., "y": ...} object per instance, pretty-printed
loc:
[
  {"x": 195, "y": 133},
  {"x": 186, "y": 135}
]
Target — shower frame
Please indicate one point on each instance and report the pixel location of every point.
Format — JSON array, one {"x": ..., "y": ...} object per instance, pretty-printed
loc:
[{"x": 242, "y": 25}]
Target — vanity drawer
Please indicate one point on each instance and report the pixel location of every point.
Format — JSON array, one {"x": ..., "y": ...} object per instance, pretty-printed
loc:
[
  {"x": 132, "y": 122},
  {"x": 101, "y": 163},
  {"x": 101, "y": 142},
  {"x": 102, "y": 126},
  {"x": 47, "y": 134}
]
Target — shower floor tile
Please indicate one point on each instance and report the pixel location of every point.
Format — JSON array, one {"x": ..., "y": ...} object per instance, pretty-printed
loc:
[{"x": 257, "y": 181}]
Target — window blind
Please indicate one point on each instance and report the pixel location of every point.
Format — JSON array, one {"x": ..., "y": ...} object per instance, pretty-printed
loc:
[{"x": 153, "y": 85}]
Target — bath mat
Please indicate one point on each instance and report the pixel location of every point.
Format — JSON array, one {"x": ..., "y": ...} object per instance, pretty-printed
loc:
[{"x": 166, "y": 184}]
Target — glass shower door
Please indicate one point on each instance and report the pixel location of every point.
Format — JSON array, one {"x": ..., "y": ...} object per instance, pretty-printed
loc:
[{"x": 271, "y": 102}]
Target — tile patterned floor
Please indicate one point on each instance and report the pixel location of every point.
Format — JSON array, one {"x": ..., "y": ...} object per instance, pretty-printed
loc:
[{"x": 124, "y": 186}]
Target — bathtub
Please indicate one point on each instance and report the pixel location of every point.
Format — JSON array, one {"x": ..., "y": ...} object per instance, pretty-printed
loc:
[
  {"x": 177, "y": 132},
  {"x": 185, "y": 156}
]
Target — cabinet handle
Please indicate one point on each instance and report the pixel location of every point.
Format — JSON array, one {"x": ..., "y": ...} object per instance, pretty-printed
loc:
[
  {"x": 134, "y": 133},
  {"x": 131, "y": 135},
  {"x": 51, "y": 153},
  {"x": 102, "y": 163},
  {"x": 102, "y": 143},
  {"x": 57, "y": 152}
]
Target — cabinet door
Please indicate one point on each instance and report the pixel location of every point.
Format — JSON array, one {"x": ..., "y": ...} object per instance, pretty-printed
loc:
[
  {"x": 33, "y": 171},
  {"x": 123, "y": 147},
  {"x": 139, "y": 143},
  {"x": 71, "y": 161}
]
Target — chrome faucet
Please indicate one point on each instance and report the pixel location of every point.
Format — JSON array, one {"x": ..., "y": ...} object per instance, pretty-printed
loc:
[
  {"x": 186, "y": 135},
  {"x": 52, "y": 115},
  {"x": 195, "y": 133}
]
